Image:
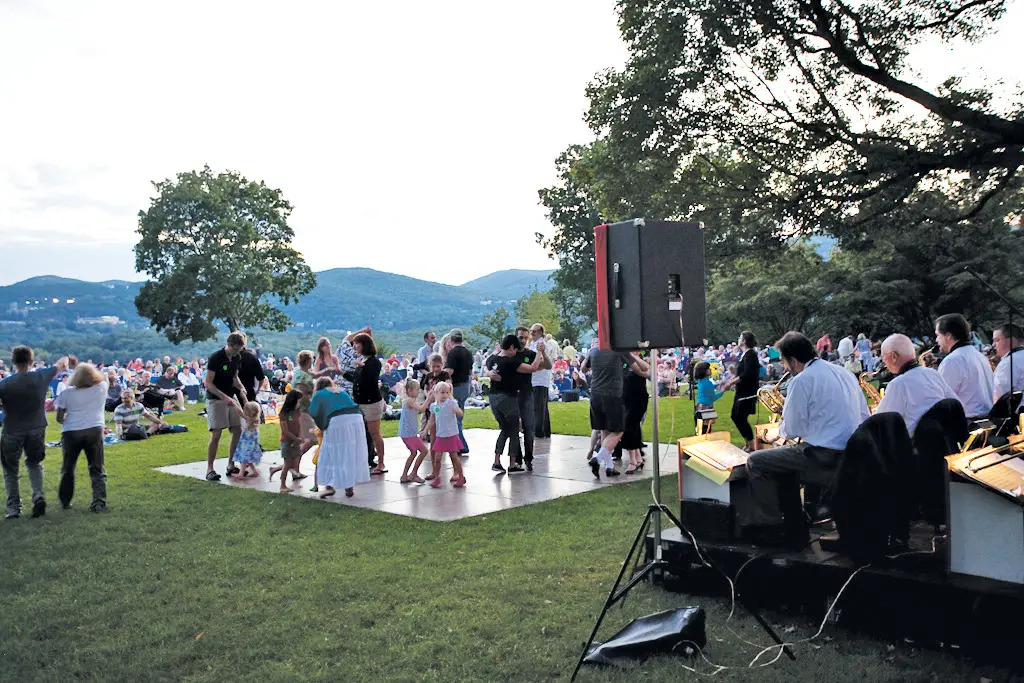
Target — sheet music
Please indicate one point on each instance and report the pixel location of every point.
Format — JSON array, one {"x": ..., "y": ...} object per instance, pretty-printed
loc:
[
  {"x": 1016, "y": 465},
  {"x": 721, "y": 454}
]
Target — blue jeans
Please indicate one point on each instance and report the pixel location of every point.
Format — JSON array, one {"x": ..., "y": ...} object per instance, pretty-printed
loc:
[{"x": 460, "y": 392}]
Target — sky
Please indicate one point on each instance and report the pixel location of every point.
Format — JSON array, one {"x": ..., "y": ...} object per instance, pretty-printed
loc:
[
  {"x": 420, "y": 126},
  {"x": 427, "y": 127}
]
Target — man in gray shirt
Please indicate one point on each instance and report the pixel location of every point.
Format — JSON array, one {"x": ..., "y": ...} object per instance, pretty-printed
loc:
[
  {"x": 24, "y": 397},
  {"x": 607, "y": 411}
]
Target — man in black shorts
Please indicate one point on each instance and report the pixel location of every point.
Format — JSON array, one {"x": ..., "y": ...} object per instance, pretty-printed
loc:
[
  {"x": 222, "y": 386},
  {"x": 607, "y": 411}
]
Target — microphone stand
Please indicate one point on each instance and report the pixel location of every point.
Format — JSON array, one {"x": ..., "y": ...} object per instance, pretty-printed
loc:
[{"x": 1010, "y": 310}]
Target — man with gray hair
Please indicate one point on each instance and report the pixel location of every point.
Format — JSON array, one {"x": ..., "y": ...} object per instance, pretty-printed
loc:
[{"x": 915, "y": 389}]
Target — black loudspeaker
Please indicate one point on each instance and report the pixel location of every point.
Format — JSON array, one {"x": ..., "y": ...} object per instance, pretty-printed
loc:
[{"x": 650, "y": 276}]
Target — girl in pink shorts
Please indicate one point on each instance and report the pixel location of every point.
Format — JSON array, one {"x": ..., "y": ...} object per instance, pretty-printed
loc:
[
  {"x": 444, "y": 413},
  {"x": 408, "y": 429}
]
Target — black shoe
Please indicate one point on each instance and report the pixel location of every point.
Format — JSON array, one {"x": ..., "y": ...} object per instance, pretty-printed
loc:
[
  {"x": 38, "y": 508},
  {"x": 465, "y": 452},
  {"x": 201, "y": 413},
  {"x": 617, "y": 457},
  {"x": 212, "y": 476},
  {"x": 611, "y": 472},
  {"x": 65, "y": 506},
  {"x": 595, "y": 467},
  {"x": 98, "y": 507},
  {"x": 516, "y": 468},
  {"x": 232, "y": 470},
  {"x": 529, "y": 466},
  {"x": 497, "y": 468},
  {"x": 12, "y": 515}
]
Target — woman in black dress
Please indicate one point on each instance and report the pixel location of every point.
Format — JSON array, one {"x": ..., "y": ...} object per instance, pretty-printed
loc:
[
  {"x": 366, "y": 394},
  {"x": 635, "y": 398},
  {"x": 746, "y": 381}
]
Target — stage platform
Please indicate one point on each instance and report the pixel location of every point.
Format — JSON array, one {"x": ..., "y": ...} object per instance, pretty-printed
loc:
[
  {"x": 559, "y": 469},
  {"x": 909, "y": 599}
]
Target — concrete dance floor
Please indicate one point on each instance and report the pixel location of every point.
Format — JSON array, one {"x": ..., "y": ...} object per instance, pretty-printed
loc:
[{"x": 559, "y": 469}]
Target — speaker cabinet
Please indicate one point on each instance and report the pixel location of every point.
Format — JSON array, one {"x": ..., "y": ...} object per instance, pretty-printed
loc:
[{"x": 650, "y": 276}]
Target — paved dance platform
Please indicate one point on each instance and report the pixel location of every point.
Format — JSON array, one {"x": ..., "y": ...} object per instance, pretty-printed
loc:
[{"x": 559, "y": 469}]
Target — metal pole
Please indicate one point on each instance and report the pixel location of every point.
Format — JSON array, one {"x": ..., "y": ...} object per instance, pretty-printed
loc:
[{"x": 656, "y": 448}]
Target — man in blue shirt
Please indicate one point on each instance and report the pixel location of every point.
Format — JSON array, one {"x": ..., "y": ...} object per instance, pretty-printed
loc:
[{"x": 824, "y": 406}]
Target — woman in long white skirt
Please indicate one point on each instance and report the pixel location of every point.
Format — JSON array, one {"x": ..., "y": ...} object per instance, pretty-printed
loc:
[
  {"x": 342, "y": 459},
  {"x": 342, "y": 462}
]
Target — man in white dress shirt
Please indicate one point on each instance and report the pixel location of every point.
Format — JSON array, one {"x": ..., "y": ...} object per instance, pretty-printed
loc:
[
  {"x": 965, "y": 368},
  {"x": 824, "y": 406},
  {"x": 1008, "y": 342},
  {"x": 915, "y": 389},
  {"x": 541, "y": 382}
]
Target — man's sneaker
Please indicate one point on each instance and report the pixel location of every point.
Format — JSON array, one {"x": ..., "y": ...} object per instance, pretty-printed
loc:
[
  {"x": 66, "y": 506},
  {"x": 38, "y": 508},
  {"x": 595, "y": 467},
  {"x": 497, "y": 468},
  {"x": 212, "y": 476},
  {"x": 529, "y": 466},
  {"x": 611, "y": 472},
  {"x": 201, "y": 413},
  {"x": 99, "y": 506},
  {"x": 12, "y": 515}
]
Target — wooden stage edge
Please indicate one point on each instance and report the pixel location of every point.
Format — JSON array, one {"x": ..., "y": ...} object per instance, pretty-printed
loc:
[{"x": 911, "y": 599}]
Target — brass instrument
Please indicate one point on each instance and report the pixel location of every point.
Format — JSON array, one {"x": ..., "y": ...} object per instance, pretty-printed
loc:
[
  {"x": 771, "y": 397},
  {"x": 874, "y": 396}
]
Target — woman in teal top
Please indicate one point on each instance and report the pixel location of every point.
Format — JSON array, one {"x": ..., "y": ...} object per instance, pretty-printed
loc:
[
  {"x": 342, "y": 459},
  {"x": 706, "y": 395}
]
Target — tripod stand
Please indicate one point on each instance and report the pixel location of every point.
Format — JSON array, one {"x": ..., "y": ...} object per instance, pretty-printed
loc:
[{"x": 652, "y": 520}]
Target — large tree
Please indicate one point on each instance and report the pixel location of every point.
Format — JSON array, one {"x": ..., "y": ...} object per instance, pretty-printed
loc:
[
  {"x": 492, "y": 327},
  {"x": 538, "y": 307},
  {"x": 818, "y": 95},
  {"x": 218, "y": 248},
  {"x": 767, "y": 297}
]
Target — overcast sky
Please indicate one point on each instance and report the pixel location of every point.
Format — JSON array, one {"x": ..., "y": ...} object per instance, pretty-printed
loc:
[{"x": 390, "y": 127}]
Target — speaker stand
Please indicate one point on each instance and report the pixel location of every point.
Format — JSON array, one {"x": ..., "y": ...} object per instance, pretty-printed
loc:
[{"x": 657, "y": 563}]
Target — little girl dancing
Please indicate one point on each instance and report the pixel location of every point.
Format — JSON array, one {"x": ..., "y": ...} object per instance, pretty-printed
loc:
[
  {"x": 408, "y": 430},
  {"x": 248, "y": 452},
  {"x": 293, "y": 441},
  {"x": 444, "y": 414}
]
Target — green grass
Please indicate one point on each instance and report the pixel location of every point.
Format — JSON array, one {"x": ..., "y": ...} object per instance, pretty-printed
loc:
[{"x": 185, "y": 581}]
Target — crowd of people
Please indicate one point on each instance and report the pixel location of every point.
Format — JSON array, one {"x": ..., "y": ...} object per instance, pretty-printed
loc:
[{"x": 336, "y": 397}]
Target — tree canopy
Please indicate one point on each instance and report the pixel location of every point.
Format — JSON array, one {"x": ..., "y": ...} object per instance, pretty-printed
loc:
[
  {"x": 776, "y": 120},
  {"x": 819, "y": 97},
  {"x": 218, "y": 248}
]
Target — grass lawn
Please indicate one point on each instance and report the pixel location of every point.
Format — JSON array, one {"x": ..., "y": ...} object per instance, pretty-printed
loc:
[{"x": 188, "y": 581}]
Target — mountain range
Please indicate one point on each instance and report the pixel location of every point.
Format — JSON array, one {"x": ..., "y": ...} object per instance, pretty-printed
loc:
[{"x": 344, "y": 298}]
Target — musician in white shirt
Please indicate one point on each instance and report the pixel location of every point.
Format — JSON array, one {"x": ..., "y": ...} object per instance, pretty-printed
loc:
[
  {"x": 965, "y": 368},
  {"x": 824, "y": 406},
  {"x": 915, "y": 389},
  {"x": 1008, "y": 340}
]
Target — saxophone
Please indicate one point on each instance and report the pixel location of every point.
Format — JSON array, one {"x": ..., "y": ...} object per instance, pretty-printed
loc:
[{"x": 873, "y": 395}]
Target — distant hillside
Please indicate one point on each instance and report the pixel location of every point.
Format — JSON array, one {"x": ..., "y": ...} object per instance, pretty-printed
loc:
[
  {"x": 497, "y": 285},
  {"x": 345, "y": 298}
]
